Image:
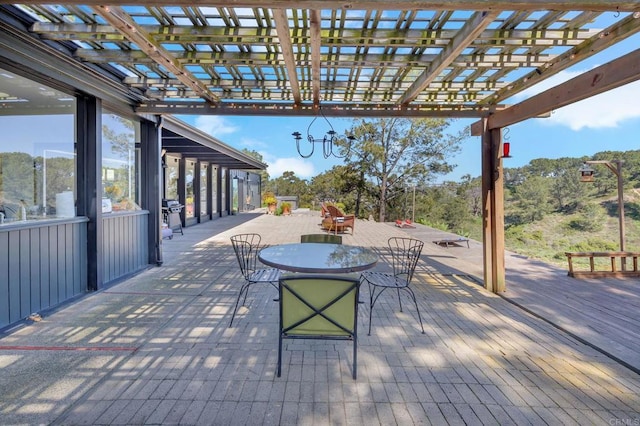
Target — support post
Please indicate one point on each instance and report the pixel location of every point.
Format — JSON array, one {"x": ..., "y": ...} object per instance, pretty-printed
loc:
[
  {"x": 493, "y": 210},
  {"x": 89, "y": 147},
  {"x": 151, "y": 173}
]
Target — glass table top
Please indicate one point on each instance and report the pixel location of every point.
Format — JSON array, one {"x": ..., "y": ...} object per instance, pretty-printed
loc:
[{"x": 318, "y": 258}]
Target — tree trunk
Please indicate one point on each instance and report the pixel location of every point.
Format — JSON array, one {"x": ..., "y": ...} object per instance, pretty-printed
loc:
[
  {"x": 383, "y": 200},
  {"x": 359, "y": 193}
]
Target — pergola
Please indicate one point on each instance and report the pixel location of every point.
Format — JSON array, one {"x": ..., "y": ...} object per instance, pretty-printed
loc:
[{"x": 374, "y": 58}]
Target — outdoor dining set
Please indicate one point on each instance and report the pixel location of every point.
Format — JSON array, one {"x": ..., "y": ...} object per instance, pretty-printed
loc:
[{"x": 318, "y": 282}]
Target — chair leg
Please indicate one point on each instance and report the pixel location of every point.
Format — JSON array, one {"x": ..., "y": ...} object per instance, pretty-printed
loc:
[
  {"x": 246, "y": 293},
  {"x": 355, "y": 356},
  {"x": 399, "y": 299},
  {"x": 413, "y": 296},
  {"x": 244, "y": 289},
  {"x": 279, "y": 354},
  {"x": 371, "y": 301},
  {"x": 373, "y": 298}
]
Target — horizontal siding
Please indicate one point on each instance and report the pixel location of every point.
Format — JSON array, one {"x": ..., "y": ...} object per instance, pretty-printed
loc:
[
  {"x": 41, "y": 265},
  {"x": 124, "y": 244}
]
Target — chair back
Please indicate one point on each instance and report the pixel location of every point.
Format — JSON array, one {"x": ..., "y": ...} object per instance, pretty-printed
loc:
[
  {"x": 321, "y": 238},
  {"x": 405, "y": 253},
  {"x": 313, "y": 306},
  {"x": 335, "y": 212},
  {"x": 246, "y": 247},
  {"x": 319, "y": 307}
]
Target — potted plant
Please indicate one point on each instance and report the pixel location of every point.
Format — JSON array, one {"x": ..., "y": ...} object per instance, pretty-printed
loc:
[
  {"x": 270, "y": 201},
  {"x": 286, "y": 208}
]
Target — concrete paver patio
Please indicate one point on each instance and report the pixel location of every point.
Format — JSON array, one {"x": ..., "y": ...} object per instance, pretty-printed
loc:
[{"x": 157, "y": 349}]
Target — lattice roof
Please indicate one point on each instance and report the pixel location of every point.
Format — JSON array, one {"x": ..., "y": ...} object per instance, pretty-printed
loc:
[{"x": 355, "y": 58}]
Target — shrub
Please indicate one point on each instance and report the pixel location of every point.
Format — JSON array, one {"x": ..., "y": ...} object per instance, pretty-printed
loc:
[
  {"x": 269, "y": 198},
  {"x": 436, "y": 225},
  {"x": 590, "y": 219},
  {"x": 593, "y": 244}
]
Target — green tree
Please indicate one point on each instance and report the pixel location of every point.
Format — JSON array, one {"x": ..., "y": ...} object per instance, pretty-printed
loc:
[
  {"x": 401, "y": 152},
  {"x": 264, "y": 175},
  {"x": 339, "y": 184},
  {"x": 531, "y": 198},
  {"x": 566, "y": 189}
]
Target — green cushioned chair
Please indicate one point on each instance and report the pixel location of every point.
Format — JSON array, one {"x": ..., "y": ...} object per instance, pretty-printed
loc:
[
  {"x": 321, "y": 238},
  {"x": 319, "y": 307}
]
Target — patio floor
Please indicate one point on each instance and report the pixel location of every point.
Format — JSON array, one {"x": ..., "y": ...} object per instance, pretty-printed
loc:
[{"x": 157, "y": 349}]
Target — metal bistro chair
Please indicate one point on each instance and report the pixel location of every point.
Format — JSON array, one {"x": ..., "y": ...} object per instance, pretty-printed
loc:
[
  {"x": 321, "y": 238},
  {"x": 246, "y": 247},
  {"x": 405, "y": 253},
  {"x": 319, "y": 307}
]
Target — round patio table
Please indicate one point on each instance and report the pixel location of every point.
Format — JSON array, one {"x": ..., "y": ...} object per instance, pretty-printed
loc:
[{"x": 318, "y": 258}]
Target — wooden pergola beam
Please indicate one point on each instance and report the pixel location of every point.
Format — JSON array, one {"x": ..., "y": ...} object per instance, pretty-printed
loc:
[
  {"x": 591, "y": 5},
  {"x": 460, "y": 41},
  {"x": 607, "y": 38},
  {"x": 277, "y": 109},
  {"x": 120, "y": 20},
  {"x": 315, "y": 45},
  {"x": 611, "y": 75},
  {"x": 286, "y": 48},
  {"x": 210, "y": 34}
]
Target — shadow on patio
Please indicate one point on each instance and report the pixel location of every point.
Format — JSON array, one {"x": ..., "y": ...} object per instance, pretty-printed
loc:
[{"x": 157, "y": 349}]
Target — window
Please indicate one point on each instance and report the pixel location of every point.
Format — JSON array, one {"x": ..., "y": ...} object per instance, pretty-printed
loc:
[
  {"x": 37, "y": 151},
  {"x": 214, "y": 189},
  {"x": 190, "y": 203},
  {"x": 120, "y": 191},
  {"x": 204, "y": 167},
  {"x": 223, "y": 190},
  {"x": 171, "y": 176}
]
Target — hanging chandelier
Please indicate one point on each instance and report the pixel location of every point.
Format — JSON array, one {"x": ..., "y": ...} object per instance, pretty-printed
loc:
[{"x": 327, "y": 141}]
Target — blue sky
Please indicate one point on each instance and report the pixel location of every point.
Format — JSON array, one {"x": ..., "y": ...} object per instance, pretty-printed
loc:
[{"x": 607, "y": 122}]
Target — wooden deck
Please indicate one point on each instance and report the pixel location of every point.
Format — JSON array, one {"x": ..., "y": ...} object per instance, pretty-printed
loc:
[
  {"x": 157, "y": 348},
  {"x": 602, "y": 312}
]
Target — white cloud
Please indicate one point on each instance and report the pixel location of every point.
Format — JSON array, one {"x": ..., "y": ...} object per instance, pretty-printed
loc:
[
  {"x": 253, "y": 143},
  {"x": 214, "y": 125},
  {"x": 277, "y": 166},
  {"x": 608, "y": 109},
  {"x": 605, "y": 110}
]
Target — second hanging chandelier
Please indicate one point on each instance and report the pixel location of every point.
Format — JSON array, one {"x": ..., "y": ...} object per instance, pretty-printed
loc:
[{"x": 327, "y": 141}]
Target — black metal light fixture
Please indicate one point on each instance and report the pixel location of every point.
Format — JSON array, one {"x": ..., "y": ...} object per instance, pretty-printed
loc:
[{"x": 327, "y": 141}]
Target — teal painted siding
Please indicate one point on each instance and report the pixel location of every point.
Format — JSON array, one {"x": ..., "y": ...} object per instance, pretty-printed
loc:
[
  {"x": 41, "y": 265},
  {"x": 124, "y": 244}
]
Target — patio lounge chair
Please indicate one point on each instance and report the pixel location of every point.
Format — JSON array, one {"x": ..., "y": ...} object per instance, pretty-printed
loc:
[
  {"x": 404, "y": 223},
  {"x": 340, "y": 221},
  {"x": 319, "y": 307}
]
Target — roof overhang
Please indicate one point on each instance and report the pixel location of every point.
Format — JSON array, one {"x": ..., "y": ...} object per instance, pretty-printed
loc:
[{"x": 179, "y": 137}]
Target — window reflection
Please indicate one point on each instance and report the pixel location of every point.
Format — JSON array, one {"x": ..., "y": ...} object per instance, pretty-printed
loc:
[
  {"x": 214, "y": 189},
  {"x": 189, "y": 204},
  {"x": 172, "y": 174},
  {"x": 37, "y": 151},
  {"x": 223, "y": 193},
  {"x": 120, "y": 190},
  {"x": 203, "y": 189}
]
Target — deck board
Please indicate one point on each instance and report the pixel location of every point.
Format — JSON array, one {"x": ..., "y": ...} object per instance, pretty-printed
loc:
[{"x": 604, "y": 312}]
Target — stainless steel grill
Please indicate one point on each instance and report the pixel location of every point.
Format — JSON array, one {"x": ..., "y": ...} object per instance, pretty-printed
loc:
[
  {"x": 171, "y": 210},
  {"x": 172, "y": 206}
]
